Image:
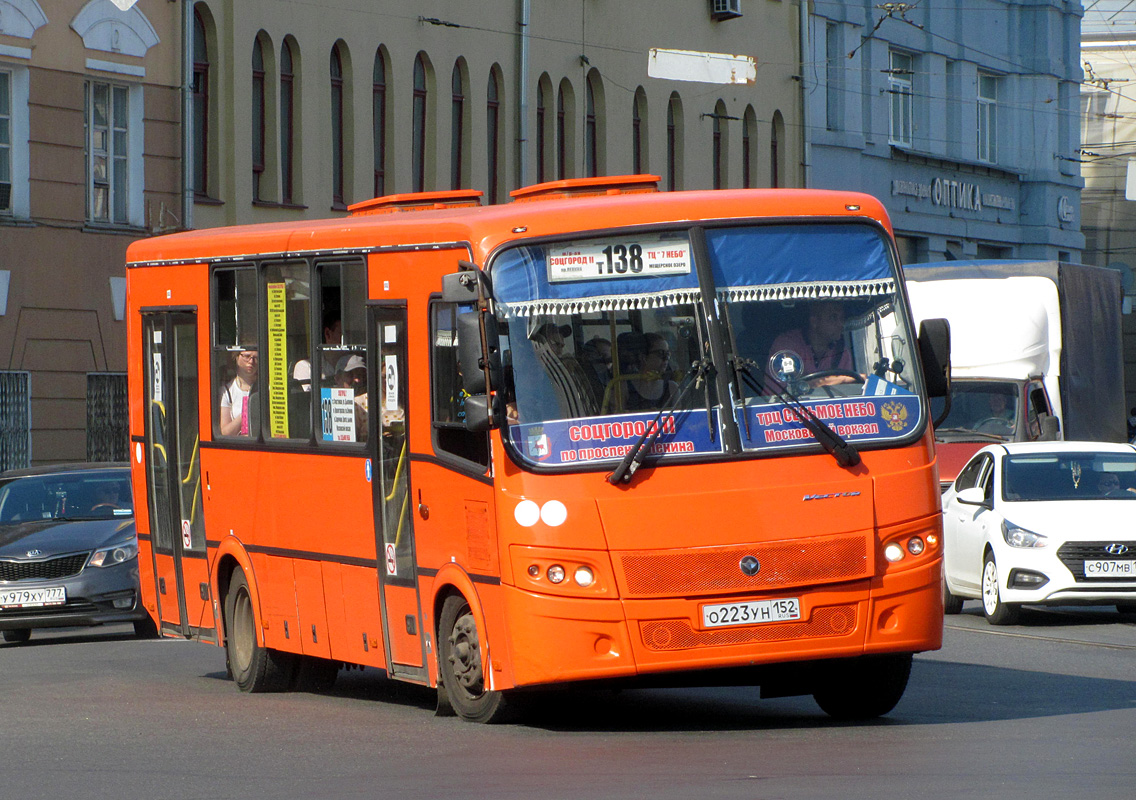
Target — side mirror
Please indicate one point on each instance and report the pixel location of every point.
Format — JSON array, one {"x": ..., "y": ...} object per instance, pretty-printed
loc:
[
  {"x": 973, "y": 496},
  {"x": 481, "y": 410},
  {"x": 935, "y": 355},
  {"x": 1050, "y": 426},
  {"x": 465, "y": 287},
  {"x": 472, "y": 358}
]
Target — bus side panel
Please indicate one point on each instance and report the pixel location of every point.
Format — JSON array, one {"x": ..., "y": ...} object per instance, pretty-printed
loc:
[
  {"x": 165, "y": 583},
  {"x": 198, "y": 608},
  {"x": 905, "y": 495},
  {"x": 276, "y": 583},
  {"x": 353, "y": 614},
  {"x": 310, "y": 605}
]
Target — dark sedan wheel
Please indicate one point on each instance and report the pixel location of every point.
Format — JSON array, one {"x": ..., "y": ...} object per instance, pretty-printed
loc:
[{"x": 18, "y": 636}]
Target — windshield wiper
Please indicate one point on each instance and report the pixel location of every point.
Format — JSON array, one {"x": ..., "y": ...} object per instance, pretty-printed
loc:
[
  {"x": 844, "y": 452},
  {"x": 638, "y": 452}
]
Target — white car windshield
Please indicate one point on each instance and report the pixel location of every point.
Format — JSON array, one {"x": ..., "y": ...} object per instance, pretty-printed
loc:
[{"x": 1069, "y": 476}]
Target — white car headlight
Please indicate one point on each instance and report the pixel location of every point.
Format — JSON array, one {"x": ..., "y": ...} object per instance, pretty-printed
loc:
[{"x": 1020, "y": 537}]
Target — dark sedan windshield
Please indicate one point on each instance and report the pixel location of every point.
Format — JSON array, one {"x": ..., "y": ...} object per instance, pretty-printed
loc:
[{"x": 91, "y": 494}]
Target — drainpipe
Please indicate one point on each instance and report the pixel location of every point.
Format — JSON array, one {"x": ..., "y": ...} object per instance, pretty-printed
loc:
[
  {"x": 805, "y": 59},
  {"x": 187, "y": 114},
  {"x": 523, "y": 94}
]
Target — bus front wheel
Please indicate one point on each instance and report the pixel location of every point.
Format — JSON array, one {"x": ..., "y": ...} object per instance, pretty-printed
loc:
[
  {"x": 863, "y": 688},
  {"x": 463, "y": 673},
  {"x": 254, "y": 668}
]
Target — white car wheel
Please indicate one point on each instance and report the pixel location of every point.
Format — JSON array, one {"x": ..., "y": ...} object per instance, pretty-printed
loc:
[{"x": 997, "y": 612}]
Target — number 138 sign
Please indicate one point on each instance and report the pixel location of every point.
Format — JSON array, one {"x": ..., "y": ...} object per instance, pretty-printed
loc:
[{"x": 612, "y": 259}]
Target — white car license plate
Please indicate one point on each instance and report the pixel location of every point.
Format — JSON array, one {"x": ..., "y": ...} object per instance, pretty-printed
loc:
[
  {"x": 33, "y": 598},
  {"x": 753, "y": 612},
  {"x": 1104, "y": 568}
]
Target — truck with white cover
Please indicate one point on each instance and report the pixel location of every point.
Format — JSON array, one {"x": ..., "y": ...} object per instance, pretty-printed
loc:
[{"x": 1035, "y": 353}]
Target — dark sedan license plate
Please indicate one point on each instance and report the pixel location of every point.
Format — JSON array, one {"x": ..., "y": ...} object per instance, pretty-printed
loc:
[
  {"x": 33, "y": 598},
  {"x": 752, "y": 612}
]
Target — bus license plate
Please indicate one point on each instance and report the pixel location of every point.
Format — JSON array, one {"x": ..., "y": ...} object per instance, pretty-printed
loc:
[
  {"x": 33, "y": 598},
  {"x": 753, "y": 612},
  {"x": 1122, "y": 569}
]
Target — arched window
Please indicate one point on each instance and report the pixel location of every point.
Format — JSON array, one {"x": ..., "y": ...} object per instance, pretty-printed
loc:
[
  {"x": 379, "y": 121},
  {"x": 543, "y": 122},
  {"x": 591, "y": 157},
  {"x": 719, "y": 150},
  {"x": 776, "y": 135},
  {"x": 336, "y": 127},
  {"x": 749, "y": 131},
  {"x": 258, "y": 117},
  {"x": 493, "y": 135},
  {"x": 565, "y": 99},
  {"x": 200, "y": 130},
  {"x": 674, "y": 143},
  {"x": 639, "y": 132},
  {"x": 287, "y": 123},
  {"x": 457, "y": 126},
  {"x": 418, "y": 122}
]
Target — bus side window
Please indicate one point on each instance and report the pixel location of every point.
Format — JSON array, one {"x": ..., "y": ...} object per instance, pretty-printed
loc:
[
  {"x": 235, "y": 352},
  {"x": 341, "y": 347},
  {"x": 448, "y": 391}
]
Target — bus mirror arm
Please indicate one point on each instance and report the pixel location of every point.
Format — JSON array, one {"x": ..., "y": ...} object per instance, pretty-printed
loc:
[{"x": 482, "y": 412}]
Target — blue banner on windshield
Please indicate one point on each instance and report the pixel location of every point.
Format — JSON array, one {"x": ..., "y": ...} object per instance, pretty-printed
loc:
[
  {"x": 866, "y": 418},
  {"x": 591, "y": 439}
]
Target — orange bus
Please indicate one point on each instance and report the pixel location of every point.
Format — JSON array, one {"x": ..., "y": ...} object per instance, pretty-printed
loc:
[{"x": 600, "y": 433}]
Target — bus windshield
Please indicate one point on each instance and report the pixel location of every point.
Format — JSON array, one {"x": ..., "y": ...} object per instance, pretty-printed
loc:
[{"x": 600, "y": 335}]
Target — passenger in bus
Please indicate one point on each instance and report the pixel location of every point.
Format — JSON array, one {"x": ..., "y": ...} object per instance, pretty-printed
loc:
[
  {"x": 651, "y": 387},
  {"x": 351, "y": 373},
  {"x": 332, "y": 337},
  {"x": 235, "y": 396},
  {"x": 595, "y": 356},
  {"x": 820, "y": 344},
  {"x": 574, "y": 392}
]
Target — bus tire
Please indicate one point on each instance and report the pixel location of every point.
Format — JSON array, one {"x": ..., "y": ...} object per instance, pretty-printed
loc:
[
  {"x": 863, "y": 688},
  {"x": 462, "y": 671},
  {"x": 254, "y": 668},
  {"x": 315, "y": 674},
  {"x": 18, "y": 635}
]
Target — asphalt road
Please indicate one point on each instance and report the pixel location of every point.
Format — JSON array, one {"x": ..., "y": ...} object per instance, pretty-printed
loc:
[{"x": 1044, "y": 709}]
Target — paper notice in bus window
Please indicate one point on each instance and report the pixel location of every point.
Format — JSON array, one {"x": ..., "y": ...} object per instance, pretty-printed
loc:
[
  {"x": 337, "y": 414},
  {"x": 157, "y": 378},
  {"x": 613, "y": 259},
  {"x": 390, "y": 381},
  {"x": 277, "y": 360}
]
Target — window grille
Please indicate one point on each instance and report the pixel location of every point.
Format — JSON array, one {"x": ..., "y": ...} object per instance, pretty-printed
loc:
[
  {"x": 15, "y": 420},
  {"x": 107, "y": 427}
]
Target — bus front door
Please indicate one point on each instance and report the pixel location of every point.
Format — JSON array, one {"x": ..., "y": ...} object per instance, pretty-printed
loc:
[
  {"x": 398, "y": 579},
  {"x": 173, "y": 474}
]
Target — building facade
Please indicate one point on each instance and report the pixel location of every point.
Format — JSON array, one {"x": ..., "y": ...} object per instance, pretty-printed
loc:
[
  {"x": 963, "y": 119},
  {"x": 298, "y": 110},
  {"x": 89, "y": 121},
  {"x": 303, "y": 109}
]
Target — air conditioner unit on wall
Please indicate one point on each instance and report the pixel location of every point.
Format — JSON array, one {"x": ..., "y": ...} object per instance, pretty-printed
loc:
[{"x": 725, "y": 9}]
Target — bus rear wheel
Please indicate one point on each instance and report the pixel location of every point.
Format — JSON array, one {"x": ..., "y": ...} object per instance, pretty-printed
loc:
[
  {"x": 463, "y": 673},
  {"x": 254, "y": 668},
  {"x": 863, "y": 688}
]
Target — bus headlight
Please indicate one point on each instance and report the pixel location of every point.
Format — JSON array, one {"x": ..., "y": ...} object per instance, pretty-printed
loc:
[
  {"x": 584, "y": 577},
  {"x": 893, "y": 552},
  {"x": 556, "y": 574}
]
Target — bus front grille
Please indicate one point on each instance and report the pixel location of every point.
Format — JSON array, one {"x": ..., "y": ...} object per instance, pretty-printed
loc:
[
  {"x": 714, "y": 570},
  {"x": 678, "y": 634}
]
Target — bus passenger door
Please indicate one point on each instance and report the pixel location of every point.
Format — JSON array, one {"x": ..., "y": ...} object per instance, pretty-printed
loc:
[
  {"x": 173, "y": 474},
  {"x": 398, "y": 579}
]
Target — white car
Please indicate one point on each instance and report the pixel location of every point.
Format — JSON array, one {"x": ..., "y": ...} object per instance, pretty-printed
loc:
[{"x": 1041, "y": 522}]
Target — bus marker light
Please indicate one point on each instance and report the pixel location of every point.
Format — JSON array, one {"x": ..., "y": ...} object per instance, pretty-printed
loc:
[
  {"x": 556, "y": 574},
  {"x": 534, "y": 571},
  {"x": 553, "y": 513},
  {"x": 915, "y": 545},
  {"x": 527, "y": 513},
  {"x": 893, "y": 552},
  {"x": 584, "y": 577}
]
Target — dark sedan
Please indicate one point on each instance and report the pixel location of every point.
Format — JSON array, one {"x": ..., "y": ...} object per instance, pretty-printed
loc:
[{"x": 68, "y": 550}]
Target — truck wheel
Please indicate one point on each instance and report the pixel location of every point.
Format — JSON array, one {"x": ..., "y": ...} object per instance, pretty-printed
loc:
[
  {"x": 863, "y": 688},
  {"x": 254, "y": 668},
  {"x": 463, "y": 674},
  {"x": 997, "y": 612}
]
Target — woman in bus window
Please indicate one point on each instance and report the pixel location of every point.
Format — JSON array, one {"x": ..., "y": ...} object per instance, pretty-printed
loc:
[{"x": 235, "y": 396}]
